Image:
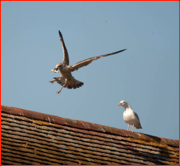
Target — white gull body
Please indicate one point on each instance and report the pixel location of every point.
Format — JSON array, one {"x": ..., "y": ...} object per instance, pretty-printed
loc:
[{"x": 129, "y": 116}]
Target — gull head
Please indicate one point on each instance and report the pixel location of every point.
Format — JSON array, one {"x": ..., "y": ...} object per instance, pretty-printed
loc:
[
  {"x": 59, "y": 66},
  {"x": 123, "y": 103}
]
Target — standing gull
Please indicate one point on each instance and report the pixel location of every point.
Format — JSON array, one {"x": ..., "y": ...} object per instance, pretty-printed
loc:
[
  {"x": 66, "y": 79},
  {"x": 129, "y": 116}
]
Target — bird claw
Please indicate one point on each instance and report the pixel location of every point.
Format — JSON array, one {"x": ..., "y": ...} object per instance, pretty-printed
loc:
[
  {"x": 52, "y": 81},
  {"x": 59, "y": 91}
]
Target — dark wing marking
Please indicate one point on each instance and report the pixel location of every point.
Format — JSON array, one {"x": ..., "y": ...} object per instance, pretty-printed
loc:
[
  {"x": 136, "y": 115},
  {"x": 89, "y": 60},
  {"x": 65, "y": 52}
]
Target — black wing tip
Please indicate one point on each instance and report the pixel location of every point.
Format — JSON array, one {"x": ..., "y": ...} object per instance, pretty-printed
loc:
[
  {"x": 120, "y": 51},
  {"x": 60, "y": 33}
]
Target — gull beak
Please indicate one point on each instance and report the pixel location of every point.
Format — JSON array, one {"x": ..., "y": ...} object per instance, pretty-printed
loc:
[{"x": 119, "y": 104}]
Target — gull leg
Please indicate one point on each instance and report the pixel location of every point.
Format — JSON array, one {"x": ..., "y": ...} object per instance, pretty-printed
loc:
[
  {"x": 52, "y": 81},
  {"x": 132, "y": 127},
  {"x": 62, "y": 87},
  {"x": 59, "y": 90},
  {"x": 128, "y": 127},
  {"x": 65, "y": 83}
]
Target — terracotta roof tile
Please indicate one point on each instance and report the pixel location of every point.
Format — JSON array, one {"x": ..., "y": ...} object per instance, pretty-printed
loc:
[{"x": 30, "y": 137}]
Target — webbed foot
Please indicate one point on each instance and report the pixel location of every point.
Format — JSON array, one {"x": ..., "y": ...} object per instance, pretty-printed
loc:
[{"x": 52, "y": 81}]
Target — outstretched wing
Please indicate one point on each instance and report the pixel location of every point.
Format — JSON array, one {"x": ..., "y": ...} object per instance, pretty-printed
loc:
[
  {"x": 89, "y": 60},
  {"x": 65, "y": 52}
]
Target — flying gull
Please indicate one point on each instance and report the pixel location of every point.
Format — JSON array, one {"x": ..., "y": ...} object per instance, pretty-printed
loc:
[
  {"x": 129, "y": 116},
  {"x": 66, "y": 79}
]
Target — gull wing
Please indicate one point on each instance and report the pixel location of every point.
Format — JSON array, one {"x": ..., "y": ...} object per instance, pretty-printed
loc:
[
  {"x": 137, "y": 124},
  {"x": 65, "y": 52},
  {"x": 89, "y": 60},
  {"x": 137, "y": 117}
]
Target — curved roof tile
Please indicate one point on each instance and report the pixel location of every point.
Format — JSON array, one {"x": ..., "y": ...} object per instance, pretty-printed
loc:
[{"x": 30, "y": 137}]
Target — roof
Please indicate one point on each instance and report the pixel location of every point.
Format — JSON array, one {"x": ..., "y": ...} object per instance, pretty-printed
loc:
[{"x": 29, "y": 137}]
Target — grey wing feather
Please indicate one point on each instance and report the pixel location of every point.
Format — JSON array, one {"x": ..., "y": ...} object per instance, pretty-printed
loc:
[
  {"x": 136, "y": 115},
  {"x": 65, "y": 52},
  {"x": 89, "y": 60}
]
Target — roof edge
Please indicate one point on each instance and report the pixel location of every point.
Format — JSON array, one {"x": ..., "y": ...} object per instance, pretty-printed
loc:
[{"x": 85, "y": 125}]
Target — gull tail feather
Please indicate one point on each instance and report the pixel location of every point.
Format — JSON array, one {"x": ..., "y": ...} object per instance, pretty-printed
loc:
[
  {"x": 73, "y": 83},
  {"x": 138, "y": 126}
]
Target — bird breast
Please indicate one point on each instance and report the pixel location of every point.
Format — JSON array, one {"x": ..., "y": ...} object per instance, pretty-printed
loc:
[
  {"x": 66, "y": 73},
  {"x": 129, "y": 117}
]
